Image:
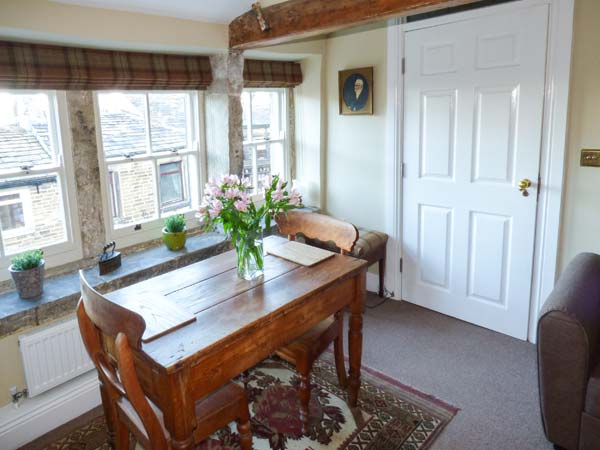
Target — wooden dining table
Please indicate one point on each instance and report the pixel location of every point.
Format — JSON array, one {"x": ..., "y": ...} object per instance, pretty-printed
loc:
[{"x": 237, "y": 324}]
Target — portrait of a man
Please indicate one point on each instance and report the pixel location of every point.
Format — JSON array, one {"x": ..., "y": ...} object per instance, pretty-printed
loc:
[{"x": 356, "y": 86}]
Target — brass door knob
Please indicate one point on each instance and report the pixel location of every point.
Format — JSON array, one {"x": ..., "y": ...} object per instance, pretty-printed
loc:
[{"x": 524, "y": 184}]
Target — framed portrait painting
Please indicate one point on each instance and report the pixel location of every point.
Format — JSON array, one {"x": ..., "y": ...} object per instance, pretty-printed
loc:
[{"x": 356, "y": 91}]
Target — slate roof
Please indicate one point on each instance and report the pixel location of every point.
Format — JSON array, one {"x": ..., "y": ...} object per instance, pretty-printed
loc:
[
  {"x": 123, "y": 132},
  {"x": 20, "y": 147}
]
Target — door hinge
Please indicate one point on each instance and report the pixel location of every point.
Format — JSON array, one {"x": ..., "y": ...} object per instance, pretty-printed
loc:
[
  {"x": 402, "y": 170},
  {"x": 400, "y": 265},
  {"x": 403, "y": 66},
  {"x": 539, "y": 186}
]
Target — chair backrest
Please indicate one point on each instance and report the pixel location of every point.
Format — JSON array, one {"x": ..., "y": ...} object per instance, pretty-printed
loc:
[
  {"x": 99, "y": 317},
  {"x": 318, "y": 226}
]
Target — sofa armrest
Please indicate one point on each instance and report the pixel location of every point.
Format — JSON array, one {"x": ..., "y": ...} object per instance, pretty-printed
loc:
[{"x": 568, "y": 333}]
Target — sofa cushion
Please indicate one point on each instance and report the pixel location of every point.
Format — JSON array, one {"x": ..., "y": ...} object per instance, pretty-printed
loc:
[{"x": 370, "y": 245}]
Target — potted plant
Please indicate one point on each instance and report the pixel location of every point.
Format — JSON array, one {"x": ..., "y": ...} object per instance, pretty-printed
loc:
[
  {"x": 174, "y": 232},
  {"x": 229, "y": 202},
  {"x": 27, "y": 271}
]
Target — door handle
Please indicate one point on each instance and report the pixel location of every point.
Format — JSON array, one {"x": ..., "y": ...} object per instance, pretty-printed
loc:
[{"x": 524, "y": 184}]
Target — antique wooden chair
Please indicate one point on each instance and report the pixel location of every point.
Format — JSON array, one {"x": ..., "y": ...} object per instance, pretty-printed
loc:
[
  {"x": 104, "y": 324},
  {"x": 303, "y": 352}
]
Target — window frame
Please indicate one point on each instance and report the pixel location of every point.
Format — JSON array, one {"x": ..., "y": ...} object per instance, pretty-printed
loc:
[
  {"x": 60, "y": 135},
  {"x": 284, "y": 120},
  {"x": 192, "y": 157}
]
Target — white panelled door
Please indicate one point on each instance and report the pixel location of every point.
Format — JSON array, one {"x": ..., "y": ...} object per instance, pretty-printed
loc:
[{"x": 474, "y": 96}]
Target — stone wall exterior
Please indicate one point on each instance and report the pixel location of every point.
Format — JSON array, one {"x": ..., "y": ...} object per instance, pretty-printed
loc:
[
  {"x": 46, "y": 225},
  {"x": 138, "y": 194}
]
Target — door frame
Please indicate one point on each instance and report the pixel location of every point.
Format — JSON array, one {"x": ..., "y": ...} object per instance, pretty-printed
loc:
[{"x": 553, "y": 151}]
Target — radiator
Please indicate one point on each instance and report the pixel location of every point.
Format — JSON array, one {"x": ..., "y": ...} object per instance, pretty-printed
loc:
[{"x": 53, "y": 356}]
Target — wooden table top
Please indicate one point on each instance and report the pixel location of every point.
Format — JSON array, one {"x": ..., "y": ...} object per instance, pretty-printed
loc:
[{"x": 227, "y": 306}]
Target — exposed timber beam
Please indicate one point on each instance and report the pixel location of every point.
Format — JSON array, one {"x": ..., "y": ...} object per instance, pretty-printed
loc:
[{"x": 296, "y": 19}]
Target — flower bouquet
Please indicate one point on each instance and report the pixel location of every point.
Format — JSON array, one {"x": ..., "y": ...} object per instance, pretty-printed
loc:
[{"x": 230, "y": 203}]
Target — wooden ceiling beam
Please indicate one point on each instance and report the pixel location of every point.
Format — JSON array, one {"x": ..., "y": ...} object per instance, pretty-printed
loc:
[{"x": 297, "y": 19}]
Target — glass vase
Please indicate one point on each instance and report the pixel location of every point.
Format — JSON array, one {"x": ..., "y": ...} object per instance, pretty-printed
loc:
[{"x": 250, "y": 256}]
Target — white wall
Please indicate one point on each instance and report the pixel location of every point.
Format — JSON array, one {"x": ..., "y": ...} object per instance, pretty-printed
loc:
[
  {"x": 355, "y": 155},
  {"x": 581, "y": 210}
]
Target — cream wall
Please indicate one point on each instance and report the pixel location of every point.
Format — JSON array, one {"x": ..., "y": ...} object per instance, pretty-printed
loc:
[
  {"x": 355, "y": 155},
  {"x": 41, "y": 20},
  {"x": 581, "y": 210}
]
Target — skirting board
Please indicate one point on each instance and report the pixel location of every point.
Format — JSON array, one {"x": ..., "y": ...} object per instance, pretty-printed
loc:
[{"x": 37, "y": 416}]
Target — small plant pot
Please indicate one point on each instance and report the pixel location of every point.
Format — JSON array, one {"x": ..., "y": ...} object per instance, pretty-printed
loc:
[
  {"x": 174, "y": 241},
  {"x": 29, "y": 283}
]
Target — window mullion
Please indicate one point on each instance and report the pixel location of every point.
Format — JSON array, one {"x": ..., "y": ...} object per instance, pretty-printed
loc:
[{"x": 157, "y": 188}]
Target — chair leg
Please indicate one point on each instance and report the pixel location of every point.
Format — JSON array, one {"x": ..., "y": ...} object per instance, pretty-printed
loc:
[
  {"x": 304, "y": 393},
  {"x": 243, "y": 428},
  {"x": 121, "y": 436},
  {"x": 381, "y": 276},
  {"x": 338, "y": 351}
]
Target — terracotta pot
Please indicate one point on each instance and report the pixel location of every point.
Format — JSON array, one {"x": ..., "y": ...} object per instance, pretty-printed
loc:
[
  {"x": 174, "y": 241},
  {"x": 29, "y": 283}
]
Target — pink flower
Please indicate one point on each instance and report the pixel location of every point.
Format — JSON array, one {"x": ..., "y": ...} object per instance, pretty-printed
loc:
[
  {"x": 241, "y": 205},
  {"x": 232, "y": 193},
  {"x": 295, "y": 197},
  {"x": 246, "y": 183},
  {"x": 277, "y": 195},
  {"x": 230, "y": 180},
  {"x": 215, "y": 208},
  {"x": 266, "y": 181}
]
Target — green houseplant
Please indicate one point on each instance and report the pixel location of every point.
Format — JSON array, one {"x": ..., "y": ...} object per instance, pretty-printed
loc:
[
  {"x": 27, "y": 271},
  {"x": 174, "y": 232}
]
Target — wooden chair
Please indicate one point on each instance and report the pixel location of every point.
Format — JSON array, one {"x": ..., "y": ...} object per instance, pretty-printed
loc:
[
  {"x": 106, "y": 324},
  {"x": 303, "y": 352}
]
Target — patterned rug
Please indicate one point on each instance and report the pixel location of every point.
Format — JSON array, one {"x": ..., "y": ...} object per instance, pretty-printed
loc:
[{"x": 390, "y": 416}]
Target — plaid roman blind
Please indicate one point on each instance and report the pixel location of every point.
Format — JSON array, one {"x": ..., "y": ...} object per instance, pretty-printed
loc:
[
  {"x": 272, "y": 74},
  {"x": 34, "y": 66}
]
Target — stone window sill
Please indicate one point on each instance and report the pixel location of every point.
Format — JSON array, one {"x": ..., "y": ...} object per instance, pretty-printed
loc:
[{"x": 62, "y": 292}]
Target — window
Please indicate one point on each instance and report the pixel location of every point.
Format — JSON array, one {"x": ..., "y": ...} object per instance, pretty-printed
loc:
[
  {"x": 150, "y": 154},
  {"x": 265, "y": 146},
  {"x": 34, "y": 169}
]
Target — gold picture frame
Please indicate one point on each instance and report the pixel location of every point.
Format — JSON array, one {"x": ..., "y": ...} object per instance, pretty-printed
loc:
[{"x": 356, "y": 91}]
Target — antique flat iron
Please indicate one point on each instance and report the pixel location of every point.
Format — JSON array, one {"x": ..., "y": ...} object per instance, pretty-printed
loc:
[{"x": 110, "y": 259}]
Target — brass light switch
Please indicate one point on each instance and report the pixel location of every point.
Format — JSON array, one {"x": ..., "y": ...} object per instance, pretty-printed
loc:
[{"x": 590, "y": 157}]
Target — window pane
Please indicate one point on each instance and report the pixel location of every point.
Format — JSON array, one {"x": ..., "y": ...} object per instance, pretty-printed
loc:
[
  {"x": 12, "y": 216},
  {"x": 123, "y": 123},
  {"x": 168, "y": 121},
  {"x": 262, "y": 115},
  {"x": 136, "y": 192},
  {"x": 24, "y": 131},
  {"x": 171, "y": 183},
  {"x": 35, "y": 218}
]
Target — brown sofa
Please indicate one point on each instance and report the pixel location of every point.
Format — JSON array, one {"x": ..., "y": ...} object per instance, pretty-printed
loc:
[{"x": 569, "y": 357}]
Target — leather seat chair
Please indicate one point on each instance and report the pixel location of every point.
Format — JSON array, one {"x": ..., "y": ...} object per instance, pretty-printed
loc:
[{"x": 569, "y": 357}]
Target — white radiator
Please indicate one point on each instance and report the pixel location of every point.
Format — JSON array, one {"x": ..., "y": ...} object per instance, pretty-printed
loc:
[{"x": 53, "y": 356}]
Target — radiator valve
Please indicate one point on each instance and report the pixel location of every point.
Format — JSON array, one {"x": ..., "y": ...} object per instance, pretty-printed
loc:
[{"x": 17, "y": 395}]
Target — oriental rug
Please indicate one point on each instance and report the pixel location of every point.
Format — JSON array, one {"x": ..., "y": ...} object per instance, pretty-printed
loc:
[{"x": 390, "y": 416}]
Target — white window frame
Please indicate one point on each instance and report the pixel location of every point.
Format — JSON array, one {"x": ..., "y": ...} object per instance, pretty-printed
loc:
[
  {"x": 251, "y": 144},
  {"x": 25, "y": 200},
  {"x": 134, "y": 234},
  {"x": 60, "y": 136}
]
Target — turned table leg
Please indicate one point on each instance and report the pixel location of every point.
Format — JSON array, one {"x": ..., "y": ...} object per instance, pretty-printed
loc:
[{"x": 355, "y": 337}]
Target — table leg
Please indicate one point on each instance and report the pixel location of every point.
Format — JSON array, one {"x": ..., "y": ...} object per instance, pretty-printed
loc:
[
  {"x": 355, "y": 337},
  {"x": 178, "y": 410}
]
